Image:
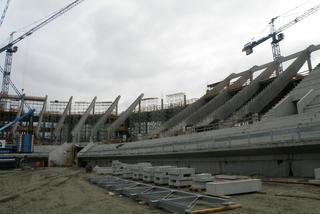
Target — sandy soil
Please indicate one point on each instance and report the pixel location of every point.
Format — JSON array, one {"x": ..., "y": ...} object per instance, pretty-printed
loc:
[{"x": 62, "y": 191}]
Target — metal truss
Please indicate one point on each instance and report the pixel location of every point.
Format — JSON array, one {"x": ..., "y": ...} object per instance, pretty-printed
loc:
[{"x": 171, "y": 200}]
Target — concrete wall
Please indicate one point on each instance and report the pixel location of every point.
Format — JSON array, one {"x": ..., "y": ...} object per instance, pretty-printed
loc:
[{"x": 62, "y": 155}]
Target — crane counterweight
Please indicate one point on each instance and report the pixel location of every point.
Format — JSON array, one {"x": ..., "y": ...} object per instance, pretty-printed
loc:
[{"x": 277, "y": 36}]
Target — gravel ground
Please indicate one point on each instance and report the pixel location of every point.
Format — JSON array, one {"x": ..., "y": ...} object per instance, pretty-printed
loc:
[{"x": 64, "y": 190}]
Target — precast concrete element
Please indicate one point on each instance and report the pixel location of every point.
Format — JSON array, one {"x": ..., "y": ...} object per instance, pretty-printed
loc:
[
  {"x": 241, "y": 97},
  {"x": 317, "y": 174},
  {"x": 62, "y": 119},
  {"x": 123, "y": 116},
  {"x": 148, "y": 174},
  {"x": 103, "y": 170},
  {"x": 138, "y": 170},
  {"x": 62, "y": 155},
  {"x": 199, "y": 181},
  {"x": 208, "y": 109},
  {"x": 41, "y": 115},
  {"x": 180, "y": 177},
  {"x": 76, "y": 130},
  {"x": 302, "y": 99},
  {"x": 192, "y": 108},
  {"x": 103, "y": 119},
  {"x": 128, "y": 171},
  {"x": 161, "y": 175},
  {"x": 117, "y": 167},
  {"x": 219, "y": 188},
  {"x": 273, "y": 89}
]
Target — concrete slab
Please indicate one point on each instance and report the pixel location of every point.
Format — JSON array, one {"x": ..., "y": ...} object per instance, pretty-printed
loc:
[
  {"x": 317, "y": 173},
  {"x": 103, "y": 170},
  {"x": 138, "y": 170},
  {"x": 231, "y": 177},
  {"x": 199, "y": 181},
  {"x": 117, "y": 167},
  {"x": 128, "y": 171},
  {"x": 148, "y": 174},
  {"x": 233, "y": 187},
  {"x": 181, "y": 173},
  {"x": 180, "y": 183}
]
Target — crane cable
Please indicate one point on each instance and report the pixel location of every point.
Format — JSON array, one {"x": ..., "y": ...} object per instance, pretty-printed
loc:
[{"x": 288, "y": 12}]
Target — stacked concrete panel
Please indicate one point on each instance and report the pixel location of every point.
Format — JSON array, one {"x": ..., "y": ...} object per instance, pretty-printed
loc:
[
  {"x": 117, "y": 167},
  {"x": 199, "y": 181},
  {"x": 148, "y": 173},
  {"x": 103, "y": 170},
  {"x": 128, "y": 171},
  {"x": 161, "y": 175},
  {"x": 180, "y": 177},
  {"x": 138, "y": 170},
  {"x": 231, "y": 187}
]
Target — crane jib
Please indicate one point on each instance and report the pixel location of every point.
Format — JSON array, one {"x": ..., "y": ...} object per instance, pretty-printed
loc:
[{"x": 40, "y": 25}]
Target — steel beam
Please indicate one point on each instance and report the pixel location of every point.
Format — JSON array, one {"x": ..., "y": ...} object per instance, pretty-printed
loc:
[
  {"x": 165, "y": 198},
  {"x": 103, "y": 119},
  {"x": 62, "y": 119},
  {"x": 41, "y": 115},
  {"x": 76, "y": 130},
  {"x": 26, "y": 98},
  {"x": 123, "y": 116}
]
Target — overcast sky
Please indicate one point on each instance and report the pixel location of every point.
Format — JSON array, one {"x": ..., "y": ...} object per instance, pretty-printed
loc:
[{"x": 107, "y": 48}]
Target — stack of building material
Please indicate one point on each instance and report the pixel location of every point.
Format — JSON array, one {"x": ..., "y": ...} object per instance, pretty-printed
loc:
[
  {"x": 138, "y": 170},
  {"x": 117, "y": 168},
  {"x": 103, "y": 170},
  {"x": 180, "y": 177},
  {"x": 148, "y": 174},
  {"x": 231, "y": 187},
  {"x": 161, "y": 175},
  {"x": 128, "y": 171},
  {"x": 199, "y": 181}
]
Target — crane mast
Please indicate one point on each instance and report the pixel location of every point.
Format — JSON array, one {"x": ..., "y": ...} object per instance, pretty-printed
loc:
[
  {"x": 277, "y": 36},
  {"x": 7, "y": 68}
]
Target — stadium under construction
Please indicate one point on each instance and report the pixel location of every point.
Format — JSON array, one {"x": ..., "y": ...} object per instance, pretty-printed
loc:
[{"x": 256, "y": 122}]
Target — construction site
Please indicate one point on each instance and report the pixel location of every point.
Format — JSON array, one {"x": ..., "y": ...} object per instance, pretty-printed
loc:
[{"x": 249, "y": 144}]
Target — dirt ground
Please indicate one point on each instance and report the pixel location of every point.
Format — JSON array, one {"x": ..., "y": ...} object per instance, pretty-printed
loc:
[{"x": 65, "y": 190}]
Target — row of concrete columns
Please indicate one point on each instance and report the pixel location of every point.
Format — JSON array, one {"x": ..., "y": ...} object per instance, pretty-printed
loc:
[{"x": 75, "y": 133}]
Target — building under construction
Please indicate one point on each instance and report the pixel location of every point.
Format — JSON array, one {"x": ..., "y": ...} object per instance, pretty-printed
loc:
[{"x": 256, "y": 122}]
